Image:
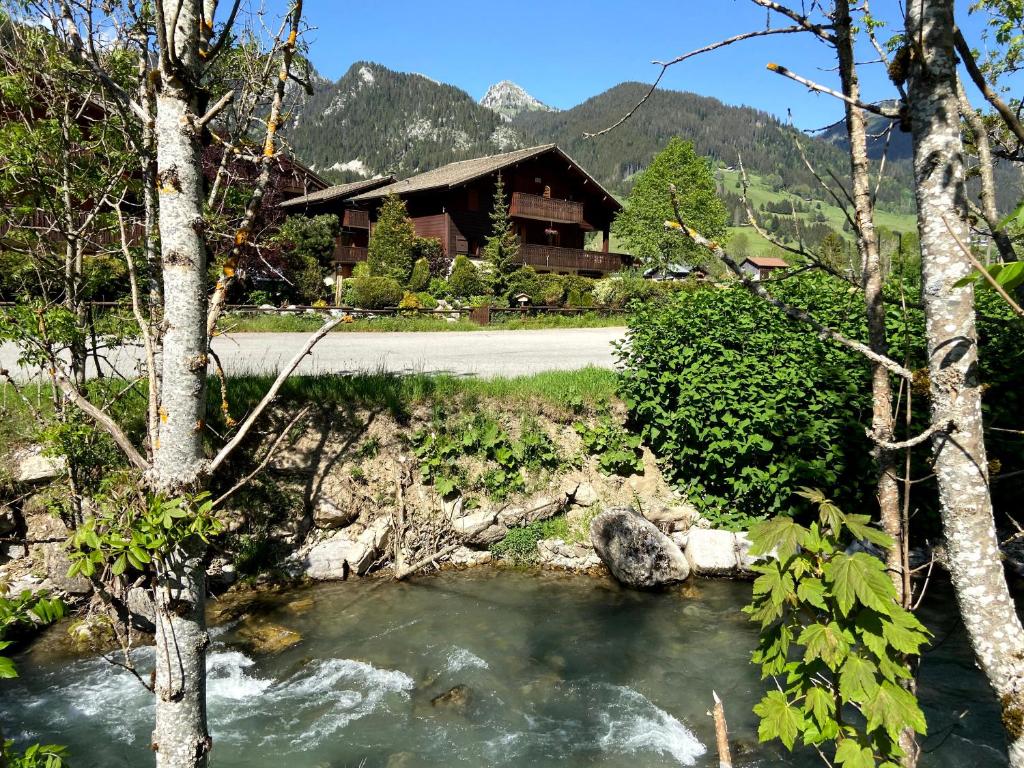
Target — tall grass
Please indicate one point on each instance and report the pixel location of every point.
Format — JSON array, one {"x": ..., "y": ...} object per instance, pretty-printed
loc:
[{"x": 281, "y": 323}]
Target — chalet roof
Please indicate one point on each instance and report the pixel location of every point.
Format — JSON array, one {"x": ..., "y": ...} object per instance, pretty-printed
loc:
[
  {"x": 337, "y": 192},
  {"x": 766, "y": 261},
  {"x": 454, "y": 174}
]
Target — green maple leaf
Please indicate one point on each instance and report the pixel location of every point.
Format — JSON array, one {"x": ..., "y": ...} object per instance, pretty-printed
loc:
[
  {"x": 779, "y": 719},
  {"x": 825, "y": 642},
  {"x": 852, "y": 754},
  {"x": 860, "y": 577},
  {"x": 893, "y": 709},
  {"x": 857, "y": 679}
]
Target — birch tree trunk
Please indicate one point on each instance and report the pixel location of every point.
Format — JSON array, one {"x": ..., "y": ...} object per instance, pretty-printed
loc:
[
  {"x": 960, "y": 464},
  {"x": 180, "y": 737}
]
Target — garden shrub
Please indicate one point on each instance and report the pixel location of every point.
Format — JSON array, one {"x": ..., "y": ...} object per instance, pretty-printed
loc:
[
  {"x": 744, "y": 405},
  {"x": 375, "y": 292},
  {"x": 420, "y": 275},
  {"x": 465, "y": 279},
  {"x": 426, "y": 300}
]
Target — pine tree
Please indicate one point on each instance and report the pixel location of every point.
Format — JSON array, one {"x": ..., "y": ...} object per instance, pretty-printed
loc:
[
  {"x": 392, "y": 242},
  {"x": 642, "y": 222},
  {"x": 502, "y": 247}
]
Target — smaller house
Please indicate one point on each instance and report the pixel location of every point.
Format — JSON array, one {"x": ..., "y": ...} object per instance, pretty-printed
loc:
[{"x": 761, "y": 267}]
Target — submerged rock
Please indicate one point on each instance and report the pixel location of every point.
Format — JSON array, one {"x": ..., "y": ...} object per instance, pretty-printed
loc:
[
  {"x": 267, "y": 638},
  {"x": 456, "y": 699},
  {"x": 635, "y": 551}
]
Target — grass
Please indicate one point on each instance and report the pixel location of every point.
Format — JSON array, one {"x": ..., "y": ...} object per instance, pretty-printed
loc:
[
  {"x": 760, "y": 193},
  {"x": 280, "y": 323},
  {"x": 397, "y": 394}
]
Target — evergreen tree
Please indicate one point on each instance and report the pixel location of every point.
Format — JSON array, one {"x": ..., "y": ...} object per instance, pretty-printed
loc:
[
  {"x": 502, "y": 247},
  {"x": 642, "y": 222},
  {"x": 420, "y": 275},
  {"x": 392, "y": 242}
]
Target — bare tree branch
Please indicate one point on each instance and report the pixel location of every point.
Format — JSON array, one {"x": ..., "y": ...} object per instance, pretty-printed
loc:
[
  {"x": 679, "y": 59},
  {"x": 977, "y": 76},
  {"x": 823, "y": 331},
  {"x": 778, "y": 69},
  {"x": 268, "y": 398}
]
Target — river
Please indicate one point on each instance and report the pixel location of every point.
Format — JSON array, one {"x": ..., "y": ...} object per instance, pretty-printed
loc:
[{"x": 558, "y": 670}]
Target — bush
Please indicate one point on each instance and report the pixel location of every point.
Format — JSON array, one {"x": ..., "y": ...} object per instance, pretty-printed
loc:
[
  {"x": 617, "y": 451},
  {"x": 375, "y": 292},
  {"x": 259, "y": 298},
  {"x": 426, "y": 300},
  {"x": 439, "y": 288},
  {"x": 420, "y": 275},
  {"x": 409, "y": 301},
  {"x": 465, "y": 279},
  {"x": 745, "y": 405},
  {"x": 430, "y": 248}
]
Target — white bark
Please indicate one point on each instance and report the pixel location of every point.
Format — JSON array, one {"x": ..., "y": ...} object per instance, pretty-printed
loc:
[
  {"x": 961, "y": 468},
  {"x": 180, "y": 735}
]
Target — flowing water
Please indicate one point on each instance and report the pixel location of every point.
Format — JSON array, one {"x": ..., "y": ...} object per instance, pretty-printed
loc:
[{"x": 560, "y": 670}]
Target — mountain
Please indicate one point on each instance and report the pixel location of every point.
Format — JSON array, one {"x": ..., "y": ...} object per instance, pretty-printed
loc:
[
  {"x": 510, "y": 100},
  {"x": 896, "y": 145},
  {"x": 376, "y": 121}
]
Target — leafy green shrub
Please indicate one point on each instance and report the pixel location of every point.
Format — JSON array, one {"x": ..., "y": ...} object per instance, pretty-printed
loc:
[
  {"x": 259, "y": 298},
  {"x": 832, "y": 630},
  {"x": 375, "y": 292},
  {"x": 431, "y": 249},
  {"x": 420, "y": 278},
  {"x": 439, "y": 450},
  {"x": 617, "y": 451},
  {"x": 465, "y": 279},
  {"x": 519, "y": 545},
  {"x": 745, "y": 405},
  {"x": 439, "y": 288},
  {"x": 426, "y": 300},
  {"x": 409, "y": 301}
]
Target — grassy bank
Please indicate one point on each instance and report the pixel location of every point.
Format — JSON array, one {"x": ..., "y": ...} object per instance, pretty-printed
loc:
[
  {"x": 253, "y": 323},
  {"x": 398, "y": 394}
]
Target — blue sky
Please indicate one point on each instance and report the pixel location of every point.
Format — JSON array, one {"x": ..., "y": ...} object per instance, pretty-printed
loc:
[{"x": 564, "y": 51}]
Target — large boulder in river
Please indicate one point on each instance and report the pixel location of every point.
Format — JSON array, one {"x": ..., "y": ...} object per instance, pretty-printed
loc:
[{"x": 635, "y": 551}]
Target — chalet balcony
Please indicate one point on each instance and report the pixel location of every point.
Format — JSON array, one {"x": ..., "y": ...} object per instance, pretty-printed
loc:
[
  {"x": 527, "y": 206},
  {"x": 558, "y": 258},
  {"x": 349, "y": 254},
  {"x": 353, "y": 219}
]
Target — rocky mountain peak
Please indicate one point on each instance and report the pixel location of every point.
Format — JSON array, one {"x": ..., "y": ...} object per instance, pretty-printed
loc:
[{"x": 509, "y": 99}]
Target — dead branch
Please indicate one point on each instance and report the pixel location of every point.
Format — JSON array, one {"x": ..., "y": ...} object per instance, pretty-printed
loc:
[
  {"x": 268, "y": 398},
  {"x": 940, "y": 425},
  {"x": 266, "y": 459}
]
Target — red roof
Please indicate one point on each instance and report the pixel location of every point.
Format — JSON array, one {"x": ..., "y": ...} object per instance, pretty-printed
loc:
[{"x": 766, "y": 261}]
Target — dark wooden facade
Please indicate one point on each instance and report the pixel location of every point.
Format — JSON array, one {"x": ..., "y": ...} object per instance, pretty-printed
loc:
[{"x": 554, "y": 204}]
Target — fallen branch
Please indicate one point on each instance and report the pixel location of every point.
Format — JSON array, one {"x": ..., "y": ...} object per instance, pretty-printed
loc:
[
  {"x": 407, "y": 572},
  {"x": 721, "y": 733}
]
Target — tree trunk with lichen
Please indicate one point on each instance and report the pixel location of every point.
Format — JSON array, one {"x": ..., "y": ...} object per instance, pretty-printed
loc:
[
  {"x": 960, "y": 464},
  {"x": 882, "y": 422},
  {"x": 181, "y": 738}
]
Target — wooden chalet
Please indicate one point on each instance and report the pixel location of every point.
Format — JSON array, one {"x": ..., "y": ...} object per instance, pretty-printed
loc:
[{"x": 554, "y": 204}]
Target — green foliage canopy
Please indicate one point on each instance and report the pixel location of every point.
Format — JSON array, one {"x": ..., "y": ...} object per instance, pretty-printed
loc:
[{"x": 642, "y": 222}]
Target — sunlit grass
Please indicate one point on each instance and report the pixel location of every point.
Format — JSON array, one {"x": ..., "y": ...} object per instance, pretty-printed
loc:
[{"x": 282, "y": 323}]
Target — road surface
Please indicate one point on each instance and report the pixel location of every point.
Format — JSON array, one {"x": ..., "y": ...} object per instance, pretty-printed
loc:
[{"x": 462, "y": 353}]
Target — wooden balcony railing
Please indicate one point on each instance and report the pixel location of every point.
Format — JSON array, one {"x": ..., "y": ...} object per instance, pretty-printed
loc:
[
  {"x": 546, "y": 208},
  {"x": 354, "y": 219},
  {"x": 349, "y": 254},
  {"x": 555, "y": 257}
]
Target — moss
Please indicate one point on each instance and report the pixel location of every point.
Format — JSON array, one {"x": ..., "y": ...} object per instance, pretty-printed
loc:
[{"x": 1012, "y": 716}]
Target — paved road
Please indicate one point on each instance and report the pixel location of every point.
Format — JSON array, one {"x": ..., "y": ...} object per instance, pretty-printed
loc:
[{"x": 482, "y": 353}]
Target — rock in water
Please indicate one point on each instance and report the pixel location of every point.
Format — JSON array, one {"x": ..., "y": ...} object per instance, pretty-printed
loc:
[
  {"x": 635, "y": 551},
  {"x": 456, "y": 699}
]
